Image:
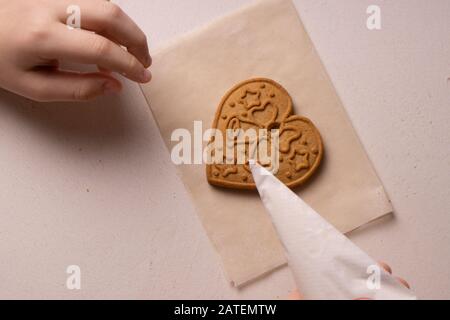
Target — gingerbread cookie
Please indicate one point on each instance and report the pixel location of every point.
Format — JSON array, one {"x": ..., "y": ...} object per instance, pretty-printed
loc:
[{"x": 264, "y": 104}]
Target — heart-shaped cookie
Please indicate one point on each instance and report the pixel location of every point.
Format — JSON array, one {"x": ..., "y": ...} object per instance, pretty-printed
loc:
[{"x": 264, "y": 104}]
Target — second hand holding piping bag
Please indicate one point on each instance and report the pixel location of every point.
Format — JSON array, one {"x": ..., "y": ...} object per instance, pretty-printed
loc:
[{"x": 324, "y": 262}]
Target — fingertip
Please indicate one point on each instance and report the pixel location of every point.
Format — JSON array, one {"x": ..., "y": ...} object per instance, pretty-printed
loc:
[
  {"x": 295, "y": 295},
  {"x": 146, "y": 76},
  {"x": 403, "y": 282},
  {"x": 385, "y": 266}
]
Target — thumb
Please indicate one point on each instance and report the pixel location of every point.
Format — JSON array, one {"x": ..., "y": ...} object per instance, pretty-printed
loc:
[{"x": 295, "y": 295}]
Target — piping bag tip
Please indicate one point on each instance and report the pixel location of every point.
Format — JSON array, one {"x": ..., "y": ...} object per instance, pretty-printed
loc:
[{"x": 325, "y": 263}]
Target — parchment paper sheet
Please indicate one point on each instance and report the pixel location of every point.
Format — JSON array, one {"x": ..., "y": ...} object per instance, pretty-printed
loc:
[{"x": 191, "y": 74}]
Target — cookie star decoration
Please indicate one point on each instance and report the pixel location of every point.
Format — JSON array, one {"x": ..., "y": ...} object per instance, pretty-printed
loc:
[{"x": 264, "y": 104}]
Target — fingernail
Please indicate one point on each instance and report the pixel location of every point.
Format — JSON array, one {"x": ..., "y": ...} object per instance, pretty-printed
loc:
[
  {"x": 146, "y": 76},
  {"x": 109, "y": 88}
]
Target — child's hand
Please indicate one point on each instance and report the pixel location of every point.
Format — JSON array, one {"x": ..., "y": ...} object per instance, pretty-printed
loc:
[{"x": 34, "y": 38}]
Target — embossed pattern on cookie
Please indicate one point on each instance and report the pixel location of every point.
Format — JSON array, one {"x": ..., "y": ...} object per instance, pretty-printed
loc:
[{"x": 264, "y": 104}]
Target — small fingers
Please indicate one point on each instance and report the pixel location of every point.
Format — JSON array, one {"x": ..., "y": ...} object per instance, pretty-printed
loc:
[
  {"x": 82, "y": 46},
  {"x": 48, "y": 86},
  {"x": 388, "y": 269},
  {"x": 108, "y": 19}
]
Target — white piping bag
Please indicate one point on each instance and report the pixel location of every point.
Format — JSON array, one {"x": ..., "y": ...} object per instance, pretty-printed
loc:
[{"x": 324, "y": 263}]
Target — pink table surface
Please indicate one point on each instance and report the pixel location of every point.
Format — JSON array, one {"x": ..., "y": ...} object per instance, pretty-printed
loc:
[{"x": 92, "y": 185}]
